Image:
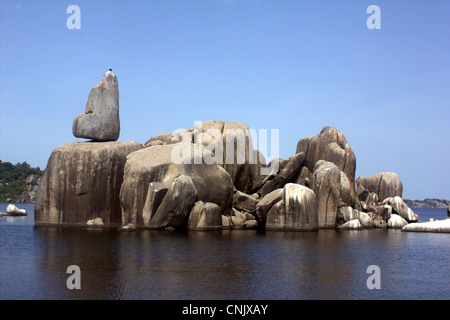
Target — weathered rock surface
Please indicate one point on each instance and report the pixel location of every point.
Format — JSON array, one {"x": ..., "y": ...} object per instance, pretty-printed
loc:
[
  {"x": 384, "y": 185},
  {"x": 205, "y": 216},
  {"x": 177, "y": 204},
  {"x": 100, "y": 121},
  {"x": 326, "y": 185},
  {"x": 365, "y": 220},
  {"x": 330, "y": 145},
  {"x": 245, "y": 202},
  {"x": 266, "y": 203},
  {"x": 289, "y": 171},
  {"x": 154, "y": 164},
  {"x": 396, "y": 222},
  {"x": 440, "y": 226},
  {"x": 399, "y": 207},
  {"x": 227, "y": 144},
  {"x": 155, "y": 195},
  {"x": 82, "y": 182},
  {"x": 296, "y": 211}
]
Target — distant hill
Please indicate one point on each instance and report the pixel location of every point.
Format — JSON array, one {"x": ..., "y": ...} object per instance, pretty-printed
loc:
[
  {"x": 19, "y": 182},
  {"x": 427, "y": 203}
]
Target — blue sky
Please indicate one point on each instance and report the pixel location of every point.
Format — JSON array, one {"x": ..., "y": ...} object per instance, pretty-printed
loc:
[{"x": 296, "y": 66}]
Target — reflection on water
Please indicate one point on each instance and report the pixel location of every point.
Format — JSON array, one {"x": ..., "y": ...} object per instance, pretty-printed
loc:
[{"x": 238, "y": 264}]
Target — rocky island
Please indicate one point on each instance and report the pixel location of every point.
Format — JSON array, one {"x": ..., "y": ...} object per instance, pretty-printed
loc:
[{"x": 208, "y": 177}]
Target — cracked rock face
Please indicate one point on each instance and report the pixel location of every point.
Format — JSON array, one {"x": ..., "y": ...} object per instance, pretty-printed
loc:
[{"x": 100, "y": 121}]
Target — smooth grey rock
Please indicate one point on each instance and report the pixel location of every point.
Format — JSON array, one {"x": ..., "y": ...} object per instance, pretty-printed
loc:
[
  {"x": 326, "y": 185},
  {"x": 205, "y": 216},
  {"x": 154, "y": 164},
  {"x": 439, "y": 226},
  {"x": 177, "y": 204},
  {"x": 264, "y": 205},
  {"x": 384, "y": 184},
  {"x": 354, "y": 224},
  {"x": 365, "y": 219},
  {"x": 100, "y": 121},
  {"x": 396, "y": 222},
  {"x": 399, "y": 206},
  {"x": 330, "y": 145},
  {"x": 82, "y": 182},
  {"x": 297, "y": 211}
]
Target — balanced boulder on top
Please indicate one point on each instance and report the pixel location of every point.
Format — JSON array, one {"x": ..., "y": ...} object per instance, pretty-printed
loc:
[{"x": 100, "y": 121}]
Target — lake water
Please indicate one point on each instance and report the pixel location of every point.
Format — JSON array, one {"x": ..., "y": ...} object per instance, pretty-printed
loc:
[{"x": 231, "y": 264}]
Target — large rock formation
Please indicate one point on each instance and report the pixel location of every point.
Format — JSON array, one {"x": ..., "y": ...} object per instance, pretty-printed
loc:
[
  {"x": 330, "y": 145},
  {"x": 384, "y": 185},
  {"x": 296, "y": 211},
  {"x": 228, "y": 144},
  {"x": 82, "y": 182},
  {"x": 326, "y": 183},
  {"x": 155, "y": 164},
  {"x": 100, "y": 121}
]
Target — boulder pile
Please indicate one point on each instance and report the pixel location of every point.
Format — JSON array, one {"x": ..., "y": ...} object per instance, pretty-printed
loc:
[{"x": 208, "y": 177}]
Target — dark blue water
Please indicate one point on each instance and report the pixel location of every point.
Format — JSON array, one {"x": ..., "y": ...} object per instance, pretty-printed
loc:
[{"x": 238, "y": 264}]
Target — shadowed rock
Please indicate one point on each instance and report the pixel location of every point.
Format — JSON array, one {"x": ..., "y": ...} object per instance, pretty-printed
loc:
[
  {"x": 177, "y": 204},
  {"x": 384, "y": 185},
  {"x": 289, "y": 171},
  {"x": 82, "y": 182}
]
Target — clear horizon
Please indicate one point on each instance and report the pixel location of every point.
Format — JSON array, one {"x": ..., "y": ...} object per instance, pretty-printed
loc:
[{"x": 295, "y": 66}]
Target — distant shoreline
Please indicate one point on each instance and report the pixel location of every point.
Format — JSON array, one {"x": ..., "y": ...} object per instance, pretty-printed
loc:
[{"x": 427, "y": 203}]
